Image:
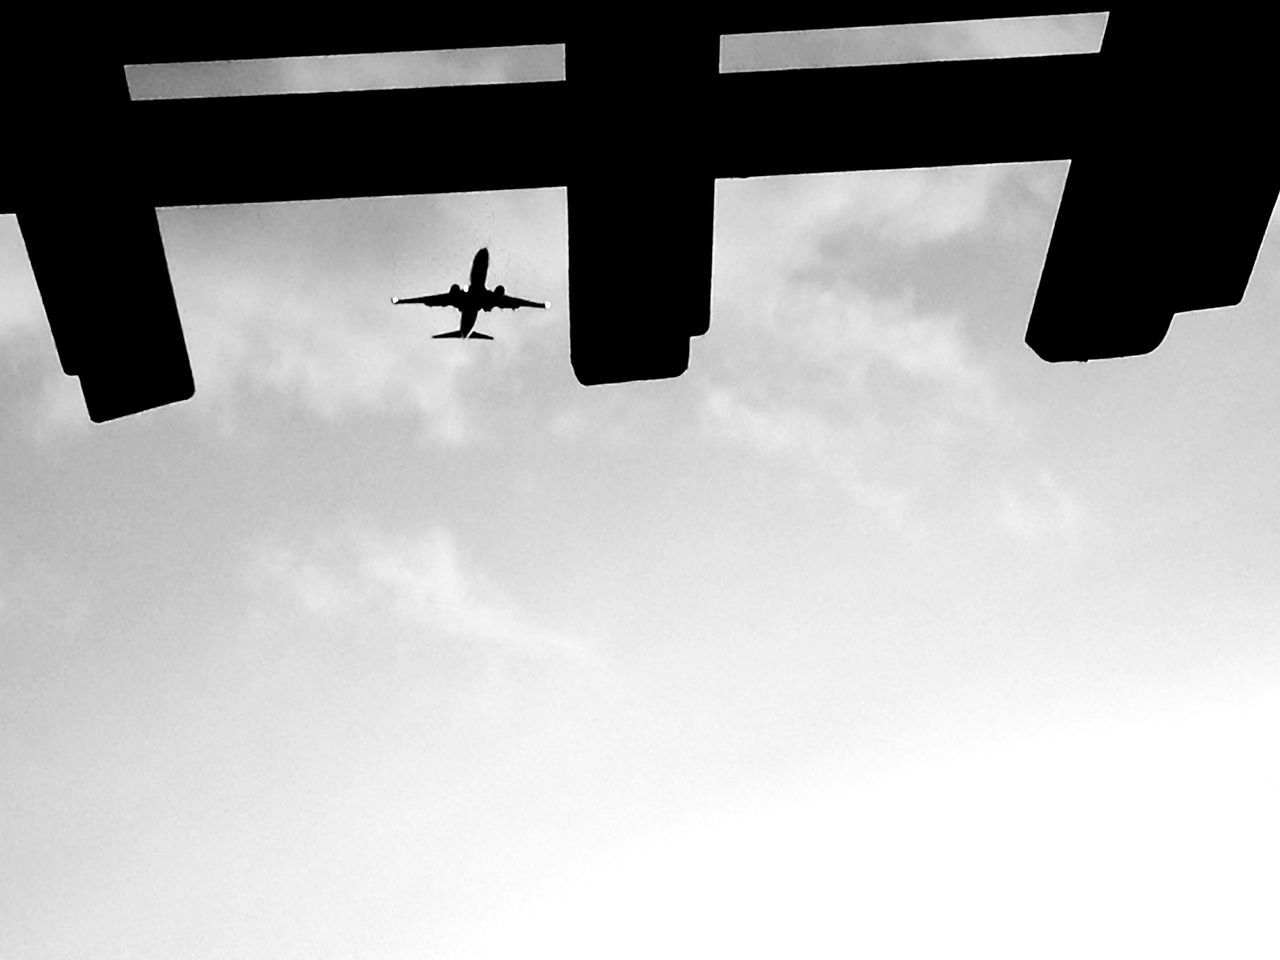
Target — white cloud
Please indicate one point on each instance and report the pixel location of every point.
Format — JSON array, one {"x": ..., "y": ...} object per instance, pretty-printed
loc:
[
  {"x": 334, "y": 345},
  {"x": 809, "y": 440},
  {"x": 874, "y": 395},
  {"x": 421, "y": 582},
  {"x": 892, "y": 401},
  {"x": 412, "y": 617},
  {"x": 768, "y": 227},
  {"x": 852, "y": 332},
  {"x": 292, "y": 301},
  {"x": 1039, "y": 507},
  {"x": 428, "y": 583},
  {"x": 291, "y": 341}
]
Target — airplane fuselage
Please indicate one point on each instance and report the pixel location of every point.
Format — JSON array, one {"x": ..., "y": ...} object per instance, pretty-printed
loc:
[
  {"x": 476, "y": 296},
  {"x": 479, "y": 267}
]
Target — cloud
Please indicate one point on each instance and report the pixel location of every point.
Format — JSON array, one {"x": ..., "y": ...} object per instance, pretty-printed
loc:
[
  {"x": 820, "y": 350},
  {"x": 409, "y": 621},
  {"x": 288, "y": 305},
  {"x": 769, "y": 230},
  {"x": 820, "y": 296},
  {"x": 804, "y": 437},
  {"x": 260, "y": 319},
  {"x": 422, "y": 582},
  {"x": 805, "y": 365},
  {"x": 848, "y": 330},
  {"x": 316, "y": 342},
  {"x": 333, "y": 368},
  {"x": 1039, "y": 507},
  {"x": 868, "y": 392},
  {"x": 291, "y": 302},
  {"x": 427, "y": 582},
  {"x": 823, "y": 356},
  {"x": 908, "y": 206}
]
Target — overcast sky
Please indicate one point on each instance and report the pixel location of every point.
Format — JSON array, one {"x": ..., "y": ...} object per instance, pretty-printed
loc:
[{"x": 872, "y": 634}]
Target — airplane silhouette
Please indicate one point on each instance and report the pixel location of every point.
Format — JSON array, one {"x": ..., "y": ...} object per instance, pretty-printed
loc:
[{"x": 472, "y": 300}]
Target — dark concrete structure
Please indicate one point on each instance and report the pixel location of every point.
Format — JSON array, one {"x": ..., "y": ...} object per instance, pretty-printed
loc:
[{"x": 1168, "y": 196}]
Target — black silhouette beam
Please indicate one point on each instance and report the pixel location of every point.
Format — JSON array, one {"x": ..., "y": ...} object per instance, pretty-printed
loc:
[
  {"x": 94, "y": 242},
  {"x": 1169, "y": 192},
  {"x": 360, "y": 143},
  {"x": 1170, "y": 188},
  {"x": 641, "y": 195}
]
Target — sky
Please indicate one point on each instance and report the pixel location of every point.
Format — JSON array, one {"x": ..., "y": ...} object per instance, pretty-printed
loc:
[
  {"x": 900, "y": 43},
  {"x": 913, "y": 43},
  {"x": 872, "y": 634},
  {"x": 383, "y": 71}
]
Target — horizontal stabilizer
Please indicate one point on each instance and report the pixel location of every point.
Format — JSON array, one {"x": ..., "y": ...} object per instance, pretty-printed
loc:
[
  {"x": 480, "y": 336},
  {"x": 452, "y": 333}
]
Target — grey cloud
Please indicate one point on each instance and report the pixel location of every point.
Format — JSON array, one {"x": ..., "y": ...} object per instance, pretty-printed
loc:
[
  {"x": 884, "y": 398},
  {"x": 870, "y": 392},
  {"x": 1016, "y": 37},
  {"x": 768, "y": 229}
]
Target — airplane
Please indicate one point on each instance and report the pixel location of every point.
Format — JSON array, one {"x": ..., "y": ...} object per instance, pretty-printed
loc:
[{"x": 472, "y": 300}]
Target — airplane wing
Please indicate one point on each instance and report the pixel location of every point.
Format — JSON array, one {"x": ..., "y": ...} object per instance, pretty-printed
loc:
[
  {"x": 435, "y": 300},
  {"x": 514, "y": 303}
]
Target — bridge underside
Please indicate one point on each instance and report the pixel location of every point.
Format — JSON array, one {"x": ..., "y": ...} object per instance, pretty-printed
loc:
[{"x": 639, "y": 153}]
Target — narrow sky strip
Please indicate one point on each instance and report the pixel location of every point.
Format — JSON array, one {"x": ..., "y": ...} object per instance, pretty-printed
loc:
[
  {"x": 371, "y": 71},
  {"x": 861, "y": 46},
  {"x": 913, "y": 43}
]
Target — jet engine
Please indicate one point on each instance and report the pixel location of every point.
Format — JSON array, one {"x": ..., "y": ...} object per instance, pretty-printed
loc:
[
  {"x": 455, "y": 290},
  {"x": 499, "y": 289}
]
